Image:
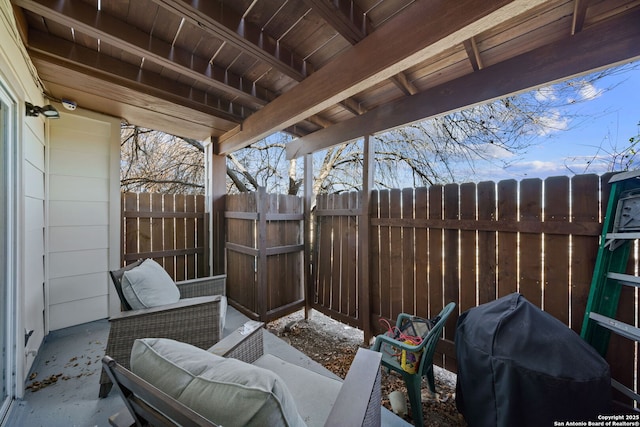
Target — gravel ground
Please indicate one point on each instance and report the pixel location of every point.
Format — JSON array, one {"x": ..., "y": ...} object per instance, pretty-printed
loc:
[{"x": 334, "y": 345}]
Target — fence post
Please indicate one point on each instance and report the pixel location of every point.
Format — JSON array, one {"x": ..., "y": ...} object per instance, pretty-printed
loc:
[
  {"x": 363, "y": 235},
  {"x": 308, "y": 196},
  {"x": 261, "y": 206}
]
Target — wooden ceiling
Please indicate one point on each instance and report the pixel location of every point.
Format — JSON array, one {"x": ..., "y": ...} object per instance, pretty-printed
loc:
[{"x": 326, "y": 71}]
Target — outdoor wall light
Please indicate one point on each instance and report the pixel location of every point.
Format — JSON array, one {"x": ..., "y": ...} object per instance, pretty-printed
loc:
[{"x": 48, "y": 111}]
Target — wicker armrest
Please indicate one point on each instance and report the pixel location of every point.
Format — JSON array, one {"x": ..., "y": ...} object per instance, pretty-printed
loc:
[
  {"x": 183, "y": 304},
  {"x": 359, "y": 400},
  {"x": 214, "y": 285},
  {"x": 245, "y": 343},
  {"x": 194, "y": 321}
]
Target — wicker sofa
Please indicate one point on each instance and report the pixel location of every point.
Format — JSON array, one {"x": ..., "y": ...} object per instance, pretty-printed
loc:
[
  {"x": 197, "y": 318},
  {"x": 175, "y": 383}
]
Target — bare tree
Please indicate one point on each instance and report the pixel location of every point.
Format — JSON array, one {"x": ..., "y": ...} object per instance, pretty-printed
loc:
[
  {"x": 157, "y": 162},
  {"x": 443, "y": 149}
]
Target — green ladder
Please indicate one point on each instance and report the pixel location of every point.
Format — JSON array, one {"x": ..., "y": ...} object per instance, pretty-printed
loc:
[{"x": 620, "y": 228}]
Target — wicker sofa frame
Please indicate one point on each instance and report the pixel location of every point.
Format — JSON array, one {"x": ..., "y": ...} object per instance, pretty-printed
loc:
[
  {"x": 357, "y": 404},
  {"x": 193, "y": 320}
]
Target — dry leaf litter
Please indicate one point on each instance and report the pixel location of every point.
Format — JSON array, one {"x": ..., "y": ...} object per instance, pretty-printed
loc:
[{"x": 334, "y": 345}]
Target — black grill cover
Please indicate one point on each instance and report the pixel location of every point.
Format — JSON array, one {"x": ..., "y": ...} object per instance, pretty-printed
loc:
[{"x": 520, "y": 366}]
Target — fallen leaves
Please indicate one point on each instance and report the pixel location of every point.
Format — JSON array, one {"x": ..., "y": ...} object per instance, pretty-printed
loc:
[
  {"x": 37, "y": 385},
  {"x": 334, "y": 346},
  {"x": 73, "y": 363}
]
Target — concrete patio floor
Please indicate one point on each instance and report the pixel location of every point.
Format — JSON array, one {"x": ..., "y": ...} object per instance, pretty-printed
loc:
[{"x": 73, "y": 356}]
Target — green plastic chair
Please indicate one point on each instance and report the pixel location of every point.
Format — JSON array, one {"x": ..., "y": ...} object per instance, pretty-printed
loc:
[{"x": 413, "y": 382}]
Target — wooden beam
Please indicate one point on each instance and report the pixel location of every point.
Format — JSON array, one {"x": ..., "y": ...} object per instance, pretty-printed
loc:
[
  {"x": 473, "y": 53},
  {"x": 65, "y": 55},
  {"x": 435, "y": 26},
  {"x": 403, "y": 83},
  {"x": 345, "y": 17},
  {"x": 88, "y": 20},
  {"x": 227, "y": 25},
  {"x": 608, "y": 43},
  {"x": 351, "y": 23},
  {"x": 579, "y": 14}
]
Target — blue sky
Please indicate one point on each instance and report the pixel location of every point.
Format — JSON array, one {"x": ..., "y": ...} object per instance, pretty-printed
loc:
[{"x": 603, "y": 125}]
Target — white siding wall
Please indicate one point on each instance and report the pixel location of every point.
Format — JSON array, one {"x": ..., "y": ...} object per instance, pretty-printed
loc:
[
  {"x": 84, "y": 149},
  {"x": 34, "y": 235},
  {"x": 18, "y": 77}
]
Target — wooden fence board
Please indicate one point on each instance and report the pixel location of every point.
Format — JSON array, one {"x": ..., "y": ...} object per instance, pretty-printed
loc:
[
  {"x": 530, "y": 259},
  {"x": 468, "y": 267},
  {"x": 374, "y": 258},
  {"x": 202, "y": 238},
  {"x": 324, "y": 254},
  {"x": 169, "y": 242},
  {"x": 157, "y": 232},
  {"x": 395, "y": 254},
  {"x": 338, "y": 203},
  {"x": 180, "y": 237},
  {"x": 422, "y": 254},
  {"x": 507, "y": 241},
  {"x": 584, "y": 248},
  {"x": 408, "y": 256},
  {"x": 144, "y": 224},
  {"x": 190, "y": 237},
  {"x": 452, "y": 267},
  {"x": 351, "y": 260},
  {"x": 556, "y": 250},
  {"x": 385, "y": 272},
  {"x": 436, "y": 261},
  {"x": 487, "y": 241},
  {"x": 130, "y": 231}
]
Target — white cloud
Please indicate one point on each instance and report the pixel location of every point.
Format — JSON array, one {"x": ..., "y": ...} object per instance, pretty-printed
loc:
[
  {"x": 552, "y": 122},
  {"x": 494, "y": 151},
  {"x": 546, "y": 93},
  {"x": 589, "y": 92}
]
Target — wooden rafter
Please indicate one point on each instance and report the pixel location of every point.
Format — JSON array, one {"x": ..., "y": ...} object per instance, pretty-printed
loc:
[
  {"x": 88, "y": 20},
  {"x": 63, "y": 54},
  {"x": 473, "y": 53},
  {"x": 390, "y": 49},
  {"x": 610, "y": 42},
  {"x": 579, "y": 15},
  {"x": 255, "y": 42},
  {"x": 344, "y": 16}
]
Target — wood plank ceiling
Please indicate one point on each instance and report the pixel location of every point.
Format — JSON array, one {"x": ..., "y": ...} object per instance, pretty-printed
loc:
[{"x": 325, "y": 71}]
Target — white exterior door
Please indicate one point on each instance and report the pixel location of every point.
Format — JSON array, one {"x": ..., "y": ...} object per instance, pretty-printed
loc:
[{"x": 7, "y": 252}]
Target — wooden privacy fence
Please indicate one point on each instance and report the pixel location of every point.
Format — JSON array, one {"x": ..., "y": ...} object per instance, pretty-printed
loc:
[
  {"x": 469, "y": 243},
  {"x": 264, "y": 253},
  {"x": 170, "y": 228}
]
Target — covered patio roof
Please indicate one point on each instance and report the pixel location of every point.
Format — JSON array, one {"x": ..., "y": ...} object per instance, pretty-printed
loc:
[{"x": 326, "y": 71}]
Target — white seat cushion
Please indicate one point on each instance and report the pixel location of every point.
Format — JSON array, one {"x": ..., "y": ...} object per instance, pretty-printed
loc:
[
  {"x": 148, "y": 285},
  {"x": 228, "y": 392},
  {"x": 313, "y": 393}
]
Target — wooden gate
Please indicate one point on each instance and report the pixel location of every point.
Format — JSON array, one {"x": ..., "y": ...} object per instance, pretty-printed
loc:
[{"x": 264, "y": 254}]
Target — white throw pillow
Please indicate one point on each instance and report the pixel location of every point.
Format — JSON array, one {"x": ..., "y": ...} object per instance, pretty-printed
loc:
[
  {"x": 227, "y": 392},
  {"x": 148, "y": 285}
]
